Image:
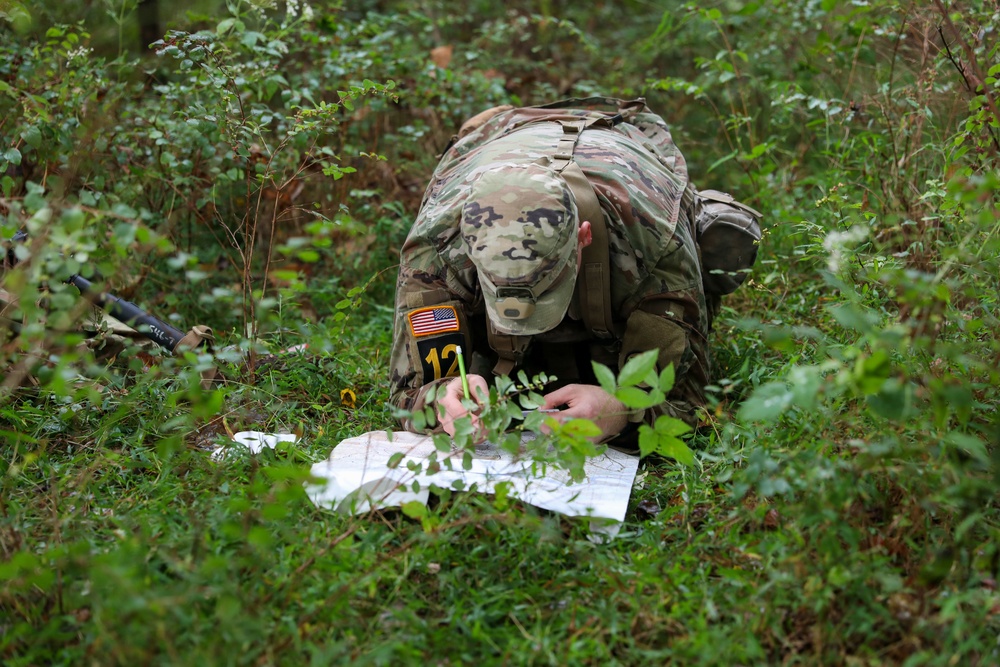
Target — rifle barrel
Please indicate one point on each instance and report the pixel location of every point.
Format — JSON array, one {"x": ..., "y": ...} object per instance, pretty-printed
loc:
[{"x": 128, "y": 313}]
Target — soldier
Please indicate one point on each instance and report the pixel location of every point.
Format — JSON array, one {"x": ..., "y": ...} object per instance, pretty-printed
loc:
[{"x": 551, "y": 237}]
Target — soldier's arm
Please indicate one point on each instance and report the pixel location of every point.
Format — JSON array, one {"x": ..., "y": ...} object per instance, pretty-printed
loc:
[
  {"x": 430, "y": 325},
  {"x": 672, "y": 317}
]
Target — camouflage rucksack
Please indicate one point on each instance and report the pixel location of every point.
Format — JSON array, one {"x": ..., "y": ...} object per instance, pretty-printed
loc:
[{"x": 728, "y": 232}]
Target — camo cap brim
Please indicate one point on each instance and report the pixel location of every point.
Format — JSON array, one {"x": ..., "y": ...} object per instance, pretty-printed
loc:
[{"x": 520, "y": 230}]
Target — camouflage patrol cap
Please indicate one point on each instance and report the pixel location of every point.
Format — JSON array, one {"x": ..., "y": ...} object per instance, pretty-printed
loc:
[{"x": 520, "y": 229}]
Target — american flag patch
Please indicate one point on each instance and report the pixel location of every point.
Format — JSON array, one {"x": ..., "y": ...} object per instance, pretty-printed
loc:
[{"x": 427, "y": 321}]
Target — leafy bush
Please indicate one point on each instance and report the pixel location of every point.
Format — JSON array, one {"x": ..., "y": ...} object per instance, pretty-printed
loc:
[{"x": 256, "y": 171}]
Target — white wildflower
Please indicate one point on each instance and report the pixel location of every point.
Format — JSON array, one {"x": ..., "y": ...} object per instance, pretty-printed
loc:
[
  {"x": 839, "y": 243},
  {"x": 78, "y": 52}
]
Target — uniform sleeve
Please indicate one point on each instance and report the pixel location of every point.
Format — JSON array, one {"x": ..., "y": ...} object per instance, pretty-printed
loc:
[
  {"x": 672, "y": 317},
  {"x": 431, "y": 323}
]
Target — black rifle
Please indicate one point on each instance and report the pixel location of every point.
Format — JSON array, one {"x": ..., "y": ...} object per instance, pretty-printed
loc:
[{"x": 128, "y": 313}]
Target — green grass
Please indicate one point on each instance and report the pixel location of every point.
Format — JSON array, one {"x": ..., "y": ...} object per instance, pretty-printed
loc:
[
  {"x": 842, "y": 505},
  {"x": 782, "y": 544}
]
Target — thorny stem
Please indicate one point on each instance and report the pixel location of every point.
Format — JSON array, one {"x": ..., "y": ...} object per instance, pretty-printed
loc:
[
  {"x": 896, "y": 161},
  {"x": 249, "y": 222},
  {"x": 970, "y": 55},
  {"x": 732, "y": 106}
]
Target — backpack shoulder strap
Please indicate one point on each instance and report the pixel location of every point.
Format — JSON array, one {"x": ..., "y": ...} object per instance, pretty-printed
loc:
[
  {"x": 594, "y": 280},
  {"x": 595, "y": 274}
]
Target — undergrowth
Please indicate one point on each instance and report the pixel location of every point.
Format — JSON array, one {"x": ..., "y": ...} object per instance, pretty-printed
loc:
[{"x": 255, "y": 169}]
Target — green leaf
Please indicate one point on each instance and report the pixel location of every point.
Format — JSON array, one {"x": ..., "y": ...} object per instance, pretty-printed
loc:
[
  {"x": 675, "y": 449},
  {"x": 970, "y": 444},
  {"x": 583, "y": 428},
  {"x": 894, "y": 400},
  {"x": 853, "y": 317},
  {"x": 633, "y": 397},
  {"x": 605, "y": 377},
  {"x": 757, "y": 151},
  {"x": 872, "y": 371},
  {"x": 667, "y": 378},
  {"x": 531, "y": 401},
  {"x": 419, "y": 418},
  {"x": 285, "y": 275},
  {"x": 414, "y": 509},
  {"x": 442, "y": 441},
  {"x": 647, "y": 440},
  {"x": 767, "y": 403},
  {"x": 670, "y": 426},
  {"x": 250, "y": 38},
  {"x": 13, "y": 156},
  {"x": 32, "y": 136},
  {"x": 463, "y": 430},
  {"x": 806, "y": 385},
  {"x": 722, "y": 160},
  {"x": 72, "y": 219},
  {"x": 394, "y": 460},
  {"x": 655, "y": 442},
  {"x": 124, "y": 211},
  {"x": 638, "y": 368}
]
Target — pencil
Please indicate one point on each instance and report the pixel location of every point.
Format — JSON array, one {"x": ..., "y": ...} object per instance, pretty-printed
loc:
[{"x": 461, "y": 370}]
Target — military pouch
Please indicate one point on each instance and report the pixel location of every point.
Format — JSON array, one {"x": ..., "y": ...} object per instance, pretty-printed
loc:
[
  {"x": 647, "y": 331},
  {"x": 728, "y": 237}
]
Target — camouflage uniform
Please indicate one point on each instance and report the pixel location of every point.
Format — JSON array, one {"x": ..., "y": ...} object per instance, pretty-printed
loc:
[{"x": 657, "y": 295}]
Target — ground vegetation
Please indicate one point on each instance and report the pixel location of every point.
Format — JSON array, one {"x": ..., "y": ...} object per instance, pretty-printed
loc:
[{"x": 255, "y": 169}]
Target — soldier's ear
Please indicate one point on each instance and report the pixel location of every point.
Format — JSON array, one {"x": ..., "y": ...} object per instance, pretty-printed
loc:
[{"x": 585, "y": 235}]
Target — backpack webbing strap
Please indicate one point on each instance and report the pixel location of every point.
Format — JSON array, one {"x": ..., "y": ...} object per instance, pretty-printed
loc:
[
  {"x": 626, "y": 108},
  {"x": 198, "y": 335},
  {"x": 567, "y": 145},
  {"x": 571, "y": 134},
  {"x": 595, "y": 272},
  {"x": 510, "y": 349}
]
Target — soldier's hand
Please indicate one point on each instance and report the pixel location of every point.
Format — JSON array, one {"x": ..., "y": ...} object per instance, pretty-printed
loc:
[
  {"x": 586, "y": 401},
  {"x": 451, "y": 403}
]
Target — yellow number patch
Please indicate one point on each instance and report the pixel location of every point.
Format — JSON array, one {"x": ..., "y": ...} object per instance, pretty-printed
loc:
[{"x": 439, "y": 357}]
